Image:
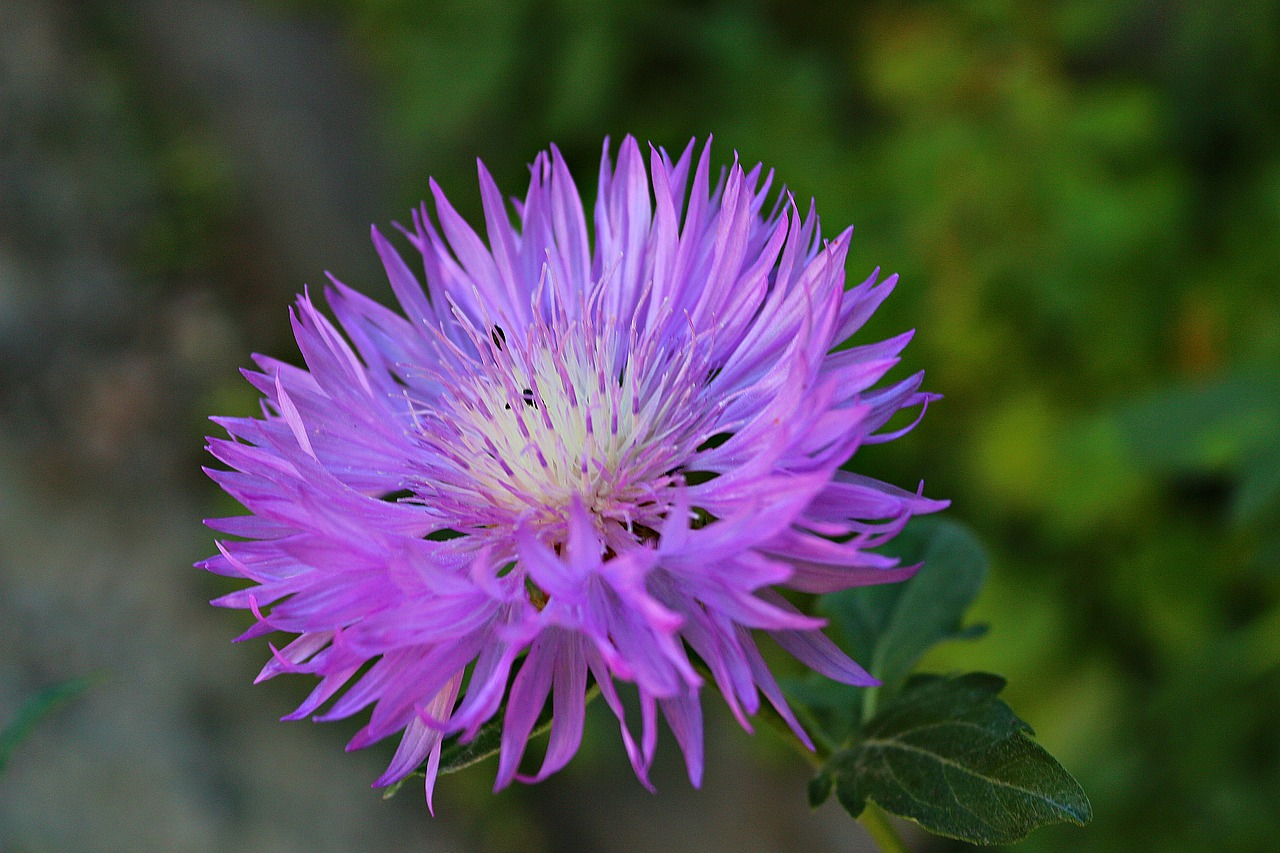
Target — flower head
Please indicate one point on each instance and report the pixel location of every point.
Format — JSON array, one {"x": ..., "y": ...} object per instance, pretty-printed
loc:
[{"x": 569, "y": 460}]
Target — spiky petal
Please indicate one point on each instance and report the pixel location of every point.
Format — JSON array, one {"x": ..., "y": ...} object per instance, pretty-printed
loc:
[{"x": 567, "y": 461}]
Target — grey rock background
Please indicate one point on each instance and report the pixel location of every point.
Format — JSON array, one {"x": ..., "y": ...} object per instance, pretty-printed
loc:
[{"x": 170, "y": 174}]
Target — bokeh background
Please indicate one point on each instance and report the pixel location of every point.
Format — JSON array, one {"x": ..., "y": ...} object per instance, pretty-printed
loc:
[{"x": 1082, "y": 198}]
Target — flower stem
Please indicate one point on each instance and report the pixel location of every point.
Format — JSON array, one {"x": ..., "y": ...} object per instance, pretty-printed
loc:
[
  {"x": 869, "y": 697},
  {"x": 876, "y": 822}
]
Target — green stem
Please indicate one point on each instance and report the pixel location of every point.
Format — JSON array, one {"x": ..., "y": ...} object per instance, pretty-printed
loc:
[
  {"x": 869, "y": 697},
  {"x": 881, "y": 830}
]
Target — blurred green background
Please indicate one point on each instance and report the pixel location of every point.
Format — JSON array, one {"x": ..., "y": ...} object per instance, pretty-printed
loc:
[{"x": 1082, "y": 199}]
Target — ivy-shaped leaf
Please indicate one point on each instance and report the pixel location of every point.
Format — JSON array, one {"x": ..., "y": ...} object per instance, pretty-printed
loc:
[{"x": 949, "y": 755}]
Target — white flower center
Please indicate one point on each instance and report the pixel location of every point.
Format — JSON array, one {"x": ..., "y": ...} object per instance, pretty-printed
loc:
[{"x": 580, "y": 409}]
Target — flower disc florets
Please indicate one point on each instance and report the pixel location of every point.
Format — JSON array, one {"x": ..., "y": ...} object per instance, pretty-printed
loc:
[
  {"x": 583, "y": 406},
  {"x": 569, "y": 461}
]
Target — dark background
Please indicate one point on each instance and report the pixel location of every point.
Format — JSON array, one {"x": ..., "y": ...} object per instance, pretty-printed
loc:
[{"x": 1083, "y": 199}]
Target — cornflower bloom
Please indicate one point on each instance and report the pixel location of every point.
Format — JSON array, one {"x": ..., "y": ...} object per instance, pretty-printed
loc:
[{"x": 569, "y": 461}]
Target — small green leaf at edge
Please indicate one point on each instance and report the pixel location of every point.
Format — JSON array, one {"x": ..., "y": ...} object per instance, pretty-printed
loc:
[
  {"x": 1191, "y": 426},
  {"x": 949, "y": 755},
  {"x": 36, "y": 709},
  {"x": 890, "y": 627},
  {"x": 820, "y": 788},
  {"x": 457, "y": 756}
]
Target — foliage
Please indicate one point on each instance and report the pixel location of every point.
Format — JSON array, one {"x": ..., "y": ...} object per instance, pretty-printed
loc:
[
  {"x": 942, "y": 751},
  {"x": 950, "y": 755}
]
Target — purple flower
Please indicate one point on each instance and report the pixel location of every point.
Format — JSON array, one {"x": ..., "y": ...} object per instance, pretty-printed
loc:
[{"x": 569, "y": 463}]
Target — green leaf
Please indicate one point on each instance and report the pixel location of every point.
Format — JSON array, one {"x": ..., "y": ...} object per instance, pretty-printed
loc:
[
  {"x": 1215, "y": 424},
  {"x": 36, "y": 709},
  {"x": 949, "y": 755},
  {"x": 1259, "y": 490},
  {"x": 820, "y": 788},
  {"x": 890, "y": 627}
]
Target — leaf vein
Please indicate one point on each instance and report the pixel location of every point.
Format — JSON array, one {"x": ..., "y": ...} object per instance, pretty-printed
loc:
[{"x": 887, "y": 745}]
